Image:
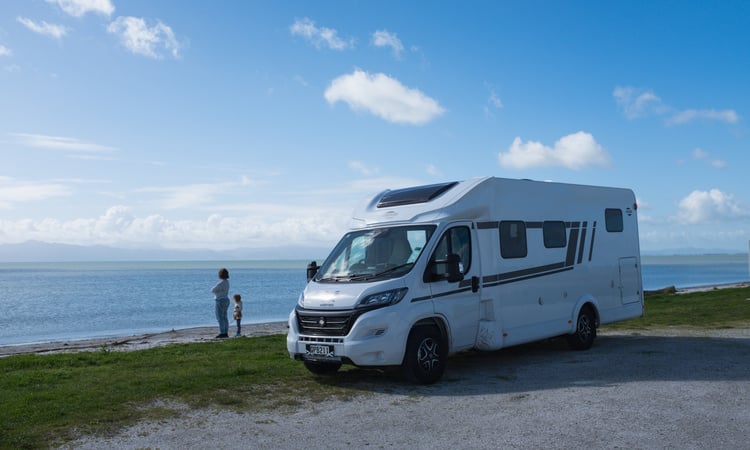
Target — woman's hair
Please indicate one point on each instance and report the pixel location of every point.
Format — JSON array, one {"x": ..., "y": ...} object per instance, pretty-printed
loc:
[
  {"x": 223, "y": 273},
  {"x": 237, "y": 298}
]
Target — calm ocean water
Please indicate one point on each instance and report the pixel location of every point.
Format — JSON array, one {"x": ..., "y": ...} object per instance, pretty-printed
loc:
[{"x": 43, "y": 302}]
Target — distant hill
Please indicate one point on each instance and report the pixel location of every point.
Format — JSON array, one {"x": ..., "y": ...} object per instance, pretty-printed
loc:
[{"x": 35, "y": 251}]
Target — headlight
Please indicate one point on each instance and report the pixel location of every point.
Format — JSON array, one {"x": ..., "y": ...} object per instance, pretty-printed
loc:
[
  {"x": 383, "y": 298},
  {"x": 301, "y": 300}
]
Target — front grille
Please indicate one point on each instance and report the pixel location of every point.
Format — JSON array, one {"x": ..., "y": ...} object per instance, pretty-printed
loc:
[{"x": 326, "y": 323}]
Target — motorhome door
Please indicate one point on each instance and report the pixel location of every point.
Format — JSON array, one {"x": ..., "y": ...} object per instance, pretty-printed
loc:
[{"x": 457, "y": 300}]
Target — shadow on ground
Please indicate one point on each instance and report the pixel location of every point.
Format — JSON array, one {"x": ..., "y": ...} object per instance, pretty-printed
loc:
[{"x": 549, "y": 364}]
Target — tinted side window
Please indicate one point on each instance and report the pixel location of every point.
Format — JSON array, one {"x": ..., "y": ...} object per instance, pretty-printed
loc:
[
  {"x": 513, "y": 239},
  {"x": 613, "y": 219},
  {"x": 456, "y": 240},
  {"x": 554, "y": 234}
]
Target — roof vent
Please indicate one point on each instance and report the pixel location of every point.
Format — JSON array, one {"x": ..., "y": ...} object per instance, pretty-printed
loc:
[{"x": 413, "y": 195}]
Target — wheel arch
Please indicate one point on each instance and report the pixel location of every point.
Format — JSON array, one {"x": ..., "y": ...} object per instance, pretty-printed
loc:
[
  {"x": 585, "y": 301},
  {"x": 437, "y": 322}
]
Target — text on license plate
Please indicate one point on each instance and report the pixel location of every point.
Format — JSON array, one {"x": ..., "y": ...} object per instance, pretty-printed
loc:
[{"x": 319, "y": 350}]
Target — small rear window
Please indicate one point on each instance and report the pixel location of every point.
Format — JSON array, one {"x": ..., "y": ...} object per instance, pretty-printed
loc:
[
  {"x": 613, "y": 220},
  {"x": 413, "y": 195}
]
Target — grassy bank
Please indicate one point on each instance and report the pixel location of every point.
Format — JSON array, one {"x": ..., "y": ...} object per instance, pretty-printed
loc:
[
  {"x": 717, "y": 308},
  {"x": 46, "y": 399}
]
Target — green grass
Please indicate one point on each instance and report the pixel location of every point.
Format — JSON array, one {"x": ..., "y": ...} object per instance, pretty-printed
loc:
[
  {"x": 45, "y": 398},
  {"x": 717, "y": 308},
  {"x": 48, "y": 399}
]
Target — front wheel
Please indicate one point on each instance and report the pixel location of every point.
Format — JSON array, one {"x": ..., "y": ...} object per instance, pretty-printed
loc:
[
  {"x": 426, "y": 355},
  {"x": 585, "y": 332},
  {"x": 322, "y": 368}
]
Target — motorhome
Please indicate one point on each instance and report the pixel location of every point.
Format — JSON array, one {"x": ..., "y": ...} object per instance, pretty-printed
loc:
[{"x": 486, "y": 263}]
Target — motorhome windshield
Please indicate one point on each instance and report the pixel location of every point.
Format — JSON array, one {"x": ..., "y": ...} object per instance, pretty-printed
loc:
[{"x": 379, "y": 253}]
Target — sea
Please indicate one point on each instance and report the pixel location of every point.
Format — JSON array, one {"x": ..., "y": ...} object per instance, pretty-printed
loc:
[{"x": 46, "y": 302}]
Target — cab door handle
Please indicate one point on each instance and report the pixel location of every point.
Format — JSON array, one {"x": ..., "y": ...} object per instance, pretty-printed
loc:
[{"x": 474, "y": 284}]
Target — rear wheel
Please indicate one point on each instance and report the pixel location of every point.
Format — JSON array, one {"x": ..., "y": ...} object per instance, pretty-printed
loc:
[
  {"x": 585, "y": 332},
  {"x": 322, "y": 368},
  {"x": 426, "y": 355}
]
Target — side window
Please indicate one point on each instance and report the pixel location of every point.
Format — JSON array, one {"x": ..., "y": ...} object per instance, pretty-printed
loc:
[
  {"x": 513, "y": 239},
  {"x": 456, "y": 240},
  {"x": 554, "y": 234},
  {"x": 613, "y": 220}
]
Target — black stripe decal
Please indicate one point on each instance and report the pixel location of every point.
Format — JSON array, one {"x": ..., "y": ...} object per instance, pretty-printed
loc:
[
  {"x": 593, "y": 233},
  {"x": 572, "y": 244},
  {"x": 583, "y": 242},
  {"x": 522, "y": 273},
  {"x": 487, "y": 225},
  {"x": 528, "y": 277},
  {"x": 533, "y": 225},
  {"x": 442, "y": 294}
]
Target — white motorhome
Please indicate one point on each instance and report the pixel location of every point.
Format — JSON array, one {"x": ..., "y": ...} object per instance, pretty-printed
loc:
[{"x": 484, "y": 263}]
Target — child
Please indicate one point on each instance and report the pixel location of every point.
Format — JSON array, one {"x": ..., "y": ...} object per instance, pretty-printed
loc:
[{"x": 238, "y": 313}]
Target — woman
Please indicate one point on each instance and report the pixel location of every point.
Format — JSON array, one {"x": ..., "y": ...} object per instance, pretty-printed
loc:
[{"x": 221, "y": 296}]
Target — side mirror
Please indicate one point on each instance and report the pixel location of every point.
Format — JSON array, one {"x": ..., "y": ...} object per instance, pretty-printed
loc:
[
  {"x": 453, "y": 268},
  {"x": 444, "y": 269},
  {"x": 312, "y": 269}
]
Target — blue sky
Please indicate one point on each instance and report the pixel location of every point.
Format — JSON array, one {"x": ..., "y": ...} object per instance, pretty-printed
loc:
[{"x": 230, "y": 124}]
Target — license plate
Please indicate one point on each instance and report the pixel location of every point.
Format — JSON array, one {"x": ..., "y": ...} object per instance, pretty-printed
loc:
[{"x": 320, "y": 350}]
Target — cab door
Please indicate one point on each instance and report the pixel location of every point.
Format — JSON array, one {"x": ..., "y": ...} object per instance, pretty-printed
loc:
[{"x": 457, "y": 300}]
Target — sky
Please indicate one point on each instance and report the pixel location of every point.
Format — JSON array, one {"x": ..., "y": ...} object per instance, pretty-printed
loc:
[{"x": 251, "y": 124}]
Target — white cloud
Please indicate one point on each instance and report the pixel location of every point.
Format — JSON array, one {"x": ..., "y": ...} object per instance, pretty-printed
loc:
[
  {"x": 689, "y": 115},
  {"x": 363, "y": 169},
  {"x": 700, "y": 154},
  {"x": 709, "y": 207},
  {"x": 59, "y": 143},
  {"x": 384, "y": 38},
  {"x": 78, "y": 8},
  {"x": 574, "y": 151},
  {"x": 432, "y": 170},
  {"x": 637, "y": 103},
  {"x": 191, "y": 196},
  {"x": 319, "y": 37},
  {"x": 121, "y": 226},
  {"x": 5, "y": 51},
  {"x": 384, "y": 97},
  {"x": 44, "y": 28},
  {"x": 493, "y": 102},
  {"x": 13, "y": 191},
  {"x": 141, "y": 39}
]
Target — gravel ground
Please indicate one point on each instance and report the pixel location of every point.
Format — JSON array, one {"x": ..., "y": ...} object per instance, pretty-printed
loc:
[{"x": 674, "y": 388}]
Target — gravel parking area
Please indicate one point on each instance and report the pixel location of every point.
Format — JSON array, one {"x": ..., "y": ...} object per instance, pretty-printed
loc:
[{"x": 676, "y": 388}]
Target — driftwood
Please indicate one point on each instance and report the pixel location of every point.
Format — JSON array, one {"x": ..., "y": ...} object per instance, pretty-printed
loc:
[{"x": 666, "y": 290}]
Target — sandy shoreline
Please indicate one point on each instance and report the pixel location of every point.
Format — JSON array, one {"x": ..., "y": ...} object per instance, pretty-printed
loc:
[
  {"x": 140, "y": 341},
  {"x": 197, "y": 334}
]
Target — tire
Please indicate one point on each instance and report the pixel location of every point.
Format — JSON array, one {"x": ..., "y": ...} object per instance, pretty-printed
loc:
[
  {"x": 322, "y": 368},
  {"x": 426, "y": 355},
  {"x": 585, "y": 333}
]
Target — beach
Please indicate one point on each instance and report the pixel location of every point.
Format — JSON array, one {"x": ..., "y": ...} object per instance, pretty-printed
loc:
[
  {"x": 141, "y": 341},
  {"x": 197, "y": 334},
  {"x": 647, "y": 379}
]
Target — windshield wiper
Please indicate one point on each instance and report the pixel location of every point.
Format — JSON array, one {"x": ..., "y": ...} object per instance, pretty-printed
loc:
[
  {"x": 392, "y": 269},
  {"x": 340, "y": 278},
  {"x": 364, "y": 276}
]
